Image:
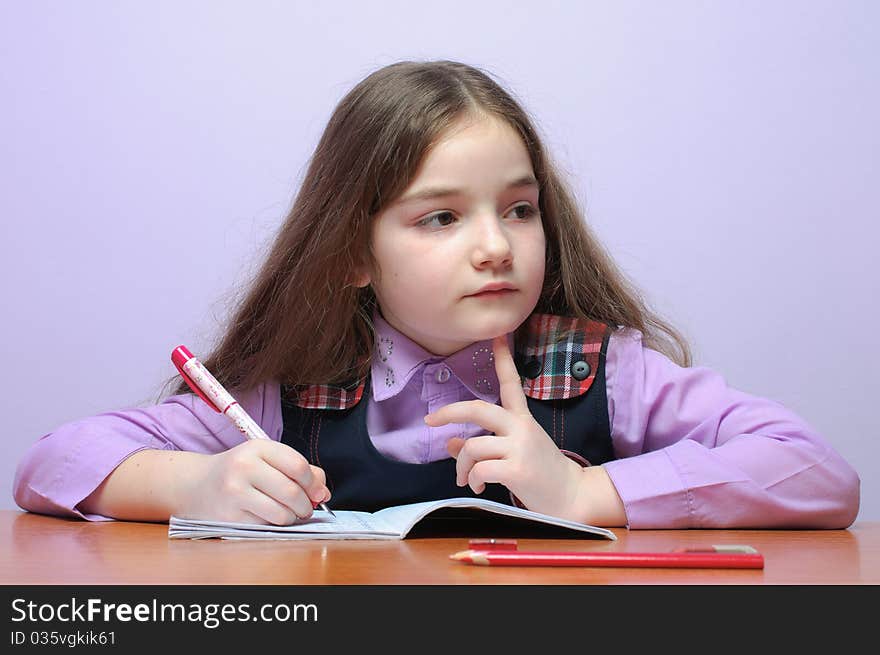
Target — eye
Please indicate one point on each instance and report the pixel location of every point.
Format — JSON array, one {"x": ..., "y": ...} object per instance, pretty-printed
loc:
[
  {"x": 524, "y": 211},
  {"x": 440, "y": 219}
]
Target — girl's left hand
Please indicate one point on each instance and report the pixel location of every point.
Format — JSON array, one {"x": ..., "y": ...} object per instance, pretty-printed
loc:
[{"x": 520, "y": 455}]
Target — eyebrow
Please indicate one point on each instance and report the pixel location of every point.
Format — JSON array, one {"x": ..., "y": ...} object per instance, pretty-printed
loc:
[{"x": 441, "y": 192}]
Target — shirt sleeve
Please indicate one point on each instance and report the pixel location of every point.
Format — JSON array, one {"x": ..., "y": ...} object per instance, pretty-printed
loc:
[
  {"x": 695, "y": 453},
  {"x": 63, "y": 467}
]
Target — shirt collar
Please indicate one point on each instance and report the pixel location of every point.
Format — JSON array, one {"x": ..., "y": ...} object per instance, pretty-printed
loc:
[
  {"x": 559, "y": 359},
  {"x": 397, "y": 358}
]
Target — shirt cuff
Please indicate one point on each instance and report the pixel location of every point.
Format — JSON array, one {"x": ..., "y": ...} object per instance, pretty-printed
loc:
[{"x": 653, "y": 493}]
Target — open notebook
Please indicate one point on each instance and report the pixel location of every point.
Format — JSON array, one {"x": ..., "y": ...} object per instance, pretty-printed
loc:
[{"x": 388, "y": 523}]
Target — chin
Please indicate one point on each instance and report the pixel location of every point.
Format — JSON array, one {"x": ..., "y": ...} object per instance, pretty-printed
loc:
[{"x": 492, "y": 326}]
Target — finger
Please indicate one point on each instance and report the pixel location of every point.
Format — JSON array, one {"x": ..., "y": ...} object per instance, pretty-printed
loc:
[
  {"x": 492, "y": 418},
  {"x": 320, "y": 477},
  {"x": 454, "y": 445},
  {"x": 478, "y": 449},
  {"x": 512, "y": 395},
  {"x": 286, "y": 493},
  {"x": 486, "y": 471},
  {"x": 292, "y": 464},
  {"x": 268, "y": 510}
]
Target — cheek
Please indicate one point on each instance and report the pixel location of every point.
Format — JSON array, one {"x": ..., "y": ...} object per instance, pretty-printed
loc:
[
  {"x": 412, "y": 275},
  {"x": 533, "y": 252}
]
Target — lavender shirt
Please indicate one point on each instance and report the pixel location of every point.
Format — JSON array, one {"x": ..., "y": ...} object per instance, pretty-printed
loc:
[
  {"x": 409, "y": 382},
  {"x": 692, "y": 452}
]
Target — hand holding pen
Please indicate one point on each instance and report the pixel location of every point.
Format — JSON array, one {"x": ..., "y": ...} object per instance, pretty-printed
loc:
[{"x": 270, "y": 480}]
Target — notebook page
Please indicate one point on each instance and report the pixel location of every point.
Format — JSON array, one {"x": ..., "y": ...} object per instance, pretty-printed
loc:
[{"x": 321, "y": 525}]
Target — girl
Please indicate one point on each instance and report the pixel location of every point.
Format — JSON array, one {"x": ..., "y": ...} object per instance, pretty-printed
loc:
[{"x": 435, "y": 319}]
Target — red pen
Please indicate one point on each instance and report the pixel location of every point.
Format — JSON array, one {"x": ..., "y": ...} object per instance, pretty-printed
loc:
[
  {"x": 209, "y": 389},
  {"x": 674, "y": 560}
]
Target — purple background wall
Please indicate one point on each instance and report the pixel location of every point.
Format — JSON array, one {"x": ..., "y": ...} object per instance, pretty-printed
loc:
[{"x": 725, "y": 152}]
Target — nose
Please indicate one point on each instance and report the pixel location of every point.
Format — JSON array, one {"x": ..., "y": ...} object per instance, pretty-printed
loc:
[{"x": 491, "y": 243}]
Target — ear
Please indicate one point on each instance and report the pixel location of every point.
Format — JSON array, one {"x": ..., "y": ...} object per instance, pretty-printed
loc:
[{"x": 361, "y": 278}]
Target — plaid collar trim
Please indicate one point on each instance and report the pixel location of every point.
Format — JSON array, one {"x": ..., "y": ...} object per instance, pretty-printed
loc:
[
  {"x": 558, "y": 360},
  {"x": 560, "y": 356}
]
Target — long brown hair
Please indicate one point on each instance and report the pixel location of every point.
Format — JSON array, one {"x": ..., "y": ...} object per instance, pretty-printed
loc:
[{"x": 303, "y": 321}]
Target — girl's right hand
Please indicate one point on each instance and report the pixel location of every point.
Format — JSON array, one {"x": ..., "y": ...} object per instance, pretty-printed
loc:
[{"x": 258, "y": 481}]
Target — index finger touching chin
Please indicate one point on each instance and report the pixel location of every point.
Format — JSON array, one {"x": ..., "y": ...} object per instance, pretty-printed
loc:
[{"x": 512, "y": 395}]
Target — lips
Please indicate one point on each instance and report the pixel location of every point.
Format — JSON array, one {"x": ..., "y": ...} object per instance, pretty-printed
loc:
[{"x": 495, "y": 289}]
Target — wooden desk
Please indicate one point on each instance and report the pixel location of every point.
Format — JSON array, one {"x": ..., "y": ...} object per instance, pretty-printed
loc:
[{"x": 44, "y": 550}]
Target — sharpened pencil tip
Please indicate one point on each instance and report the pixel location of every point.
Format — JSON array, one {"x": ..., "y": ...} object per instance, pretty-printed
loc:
[{"x": 460, "y": 555}]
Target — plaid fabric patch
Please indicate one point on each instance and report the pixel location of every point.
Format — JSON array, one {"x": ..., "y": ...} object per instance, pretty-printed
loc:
[
  {"x": 560, "y": 357},
  {"x": 325, "y": 396},
  {"x": 559, "y": 360}
]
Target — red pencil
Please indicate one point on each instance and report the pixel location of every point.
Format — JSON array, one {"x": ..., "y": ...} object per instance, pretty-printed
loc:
[{"x": 685, "y": 560}]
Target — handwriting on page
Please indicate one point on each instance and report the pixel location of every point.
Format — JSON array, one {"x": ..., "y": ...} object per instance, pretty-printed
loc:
[{"x": 343, "y": 522}]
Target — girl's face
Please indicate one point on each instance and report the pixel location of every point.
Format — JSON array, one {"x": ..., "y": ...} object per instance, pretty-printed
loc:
[{"x": 469, "y": 219}]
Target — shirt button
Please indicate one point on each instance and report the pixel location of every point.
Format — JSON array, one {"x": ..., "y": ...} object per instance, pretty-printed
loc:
[
  {"x": 532, "y": 368},
  {"x": 442, "y": 375},
  {"x": 580, "y": 370}
]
